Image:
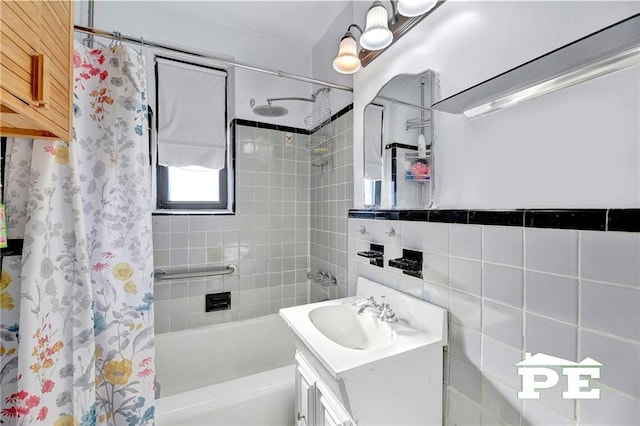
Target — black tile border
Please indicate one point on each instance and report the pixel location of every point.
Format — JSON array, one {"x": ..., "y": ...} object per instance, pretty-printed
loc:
[
  {"x": 626, "y": 220},
  {"x": 270, "y": 126},
  {"x": 491, "y": 217},
  {"x": 300, "y": 131},
  {"x": 587, "y": 219}
]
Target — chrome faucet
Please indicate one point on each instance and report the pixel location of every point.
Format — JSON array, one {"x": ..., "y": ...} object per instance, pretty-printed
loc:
[
  {"x": 323, "y": 278},
  {"x": 382, "y": 310}
]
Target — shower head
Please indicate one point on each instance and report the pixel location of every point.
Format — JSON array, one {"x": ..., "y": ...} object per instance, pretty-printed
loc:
[{"x": 270, "y": 110}]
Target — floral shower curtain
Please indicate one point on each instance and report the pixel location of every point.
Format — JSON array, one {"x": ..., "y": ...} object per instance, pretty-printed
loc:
[{"x": 76, "y": 319}]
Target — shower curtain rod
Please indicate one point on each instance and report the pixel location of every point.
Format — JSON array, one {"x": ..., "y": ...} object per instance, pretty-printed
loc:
[{"x": 237, "y": 64}]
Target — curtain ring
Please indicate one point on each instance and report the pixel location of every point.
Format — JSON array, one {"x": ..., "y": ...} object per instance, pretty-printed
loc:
[{"x": 117, "y": 39}]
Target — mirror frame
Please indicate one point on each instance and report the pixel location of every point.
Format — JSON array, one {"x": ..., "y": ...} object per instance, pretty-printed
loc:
[{"x": 432, "y": 141}]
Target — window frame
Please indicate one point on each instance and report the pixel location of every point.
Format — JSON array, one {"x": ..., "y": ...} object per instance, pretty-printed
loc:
[{"x": 160, "y": 189}]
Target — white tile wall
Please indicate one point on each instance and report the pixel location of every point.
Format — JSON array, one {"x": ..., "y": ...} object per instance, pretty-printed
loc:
[
  {"x": 552, "y": 295},
  {"x": 331, "y": 196},
  {"x": 552, "y": 250},
  {"x": 268, "y": 238},
  {"x": 611, "y": 257},
  {"x": 610, "y": 308},
  {"x": 509, "y": 290}
]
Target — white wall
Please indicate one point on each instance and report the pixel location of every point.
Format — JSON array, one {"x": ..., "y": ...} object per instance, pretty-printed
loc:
[
  {"x": 325, "y": 51},
  {"x": 152, "y": 21},
  {"x": 575, "y": 148}
]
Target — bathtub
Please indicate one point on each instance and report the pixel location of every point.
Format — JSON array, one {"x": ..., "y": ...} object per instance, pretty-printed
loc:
[{"x": 238, "y": 373}]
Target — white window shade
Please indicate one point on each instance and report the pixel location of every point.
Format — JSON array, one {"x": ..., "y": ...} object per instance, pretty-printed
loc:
[{"x": 191, "y": 115}]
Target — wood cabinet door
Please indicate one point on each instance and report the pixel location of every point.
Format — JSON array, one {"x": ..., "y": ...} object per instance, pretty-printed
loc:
[
  {"x": 20, "y": 34},
  {"x": 36, "y": 47}
]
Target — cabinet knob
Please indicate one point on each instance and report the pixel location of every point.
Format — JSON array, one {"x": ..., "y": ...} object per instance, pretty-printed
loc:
[{"x": 39, "y": 80}]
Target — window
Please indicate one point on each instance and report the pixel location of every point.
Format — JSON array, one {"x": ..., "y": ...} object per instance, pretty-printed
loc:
[{"x": 191, "y": 146}]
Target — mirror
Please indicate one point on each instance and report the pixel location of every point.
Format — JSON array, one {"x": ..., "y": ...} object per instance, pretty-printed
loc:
[{"x": 398, "y": 144}]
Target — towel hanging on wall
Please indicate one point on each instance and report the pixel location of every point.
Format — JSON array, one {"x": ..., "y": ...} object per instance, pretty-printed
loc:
[{"x": 191, "y": 115}]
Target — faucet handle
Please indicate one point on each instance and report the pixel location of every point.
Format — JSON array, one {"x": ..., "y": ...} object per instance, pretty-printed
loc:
[
  {"x": 389, "y": 315},
  {"x": 361, "y": 302},
  {"x": 391, "y": 232}
]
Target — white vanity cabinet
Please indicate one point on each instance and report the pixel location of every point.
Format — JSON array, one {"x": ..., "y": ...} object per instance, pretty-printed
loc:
[
  {"x": 315, "y": 403},
  {"x": 354, "y": 369}
]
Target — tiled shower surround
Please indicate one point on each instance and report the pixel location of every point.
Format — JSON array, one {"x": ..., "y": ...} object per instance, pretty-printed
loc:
[
  {"x": 269, "y": 238},
  {"x": 331, "y": 199},
  {"x": 510, "y": 290}
]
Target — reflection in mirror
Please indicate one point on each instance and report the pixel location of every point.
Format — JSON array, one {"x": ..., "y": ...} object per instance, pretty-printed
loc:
[
  {"x": 398, "y": 142},
  {"x": 373, "y": 133}
]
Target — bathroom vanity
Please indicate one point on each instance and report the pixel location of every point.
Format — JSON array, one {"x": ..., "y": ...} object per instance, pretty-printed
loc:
[{"x": 352, "y": 367}]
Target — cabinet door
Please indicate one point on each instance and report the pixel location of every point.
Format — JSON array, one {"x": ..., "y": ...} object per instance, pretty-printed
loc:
[
  {"x": 305, "y": 396},
  {"x": 20, "y": 42},
  {"x": 330, "y": 412},
  {"x": 35, "y": 62},
  {"x": 331, "y": 415}
]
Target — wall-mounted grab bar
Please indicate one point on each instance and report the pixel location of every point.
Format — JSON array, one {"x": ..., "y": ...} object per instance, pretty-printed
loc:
[{"x": 162, "y": 275}]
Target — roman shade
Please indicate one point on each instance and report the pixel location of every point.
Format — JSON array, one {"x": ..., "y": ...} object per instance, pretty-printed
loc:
[{"x": 191, "y": 115}]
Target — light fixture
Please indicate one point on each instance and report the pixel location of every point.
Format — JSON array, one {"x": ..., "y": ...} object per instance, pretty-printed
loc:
[
  {"x": 603, "y": 67},
  {"x": 347, "y": 61},
  {"x": 602, "y": 52},
  {"x": 411, "y": 8},
  {"x": 377, "y": 34}
]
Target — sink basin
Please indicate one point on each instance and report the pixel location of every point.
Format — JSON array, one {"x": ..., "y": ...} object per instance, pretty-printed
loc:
[
  {"x": 345, "y": 342},
  {"x": 344, "y": 326}
]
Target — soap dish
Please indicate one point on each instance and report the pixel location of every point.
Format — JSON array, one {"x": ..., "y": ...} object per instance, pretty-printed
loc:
[
  {"x": 370, "y": 254},
  {"x": 405, "y": 264},
  {"x": 410, "y": 263}
]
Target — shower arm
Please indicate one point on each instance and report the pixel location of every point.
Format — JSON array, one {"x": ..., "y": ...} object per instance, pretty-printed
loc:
[{"x": 311, "y": 99}]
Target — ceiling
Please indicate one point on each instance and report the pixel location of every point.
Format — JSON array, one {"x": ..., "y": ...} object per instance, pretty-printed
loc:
[{"x": 300, "y": 22}]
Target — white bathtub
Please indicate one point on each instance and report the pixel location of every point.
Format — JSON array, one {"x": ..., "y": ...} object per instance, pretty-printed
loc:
[{"x": 238, "y": 373}]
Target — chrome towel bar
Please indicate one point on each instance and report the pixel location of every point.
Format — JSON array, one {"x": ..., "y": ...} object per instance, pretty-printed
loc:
[{"x": 162, "y": 275}]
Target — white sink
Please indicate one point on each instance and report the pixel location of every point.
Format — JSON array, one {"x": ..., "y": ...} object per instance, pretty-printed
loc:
[
  {"x": 344, "y": 341},
  {"x": 344, "y": 326}
]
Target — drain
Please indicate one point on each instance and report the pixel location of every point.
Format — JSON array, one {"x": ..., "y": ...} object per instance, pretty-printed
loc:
[{"x": 358, "y": 348}]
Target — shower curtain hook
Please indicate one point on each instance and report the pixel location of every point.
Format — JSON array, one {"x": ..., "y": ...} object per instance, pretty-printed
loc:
[{"x": 141, "y": 45}]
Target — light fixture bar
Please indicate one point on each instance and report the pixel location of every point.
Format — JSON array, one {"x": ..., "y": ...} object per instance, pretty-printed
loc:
[
  {"x": 600, "y": 49},
  {"x": 621, "y": 61}
]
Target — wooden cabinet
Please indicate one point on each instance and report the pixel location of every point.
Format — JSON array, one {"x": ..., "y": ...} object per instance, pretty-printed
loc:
[{"x": 36, "y": 73}]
